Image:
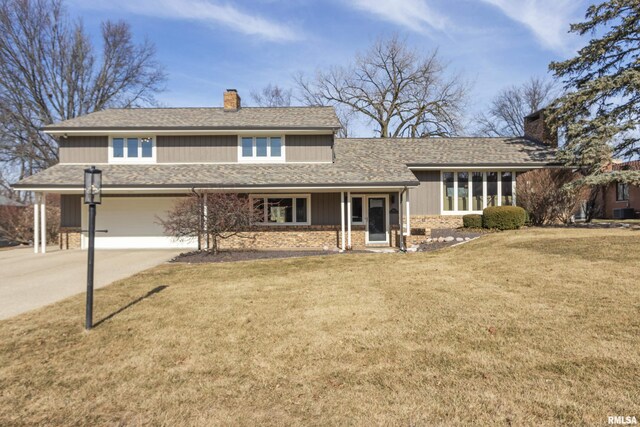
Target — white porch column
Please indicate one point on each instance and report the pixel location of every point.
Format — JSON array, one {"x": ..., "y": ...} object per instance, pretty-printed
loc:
[
  {"x": 342, "y": 246},
  {"x": 205, "y": 214},
  {"x": 349, "y": 215},
  {"x": 513, "y": 187},
  {"x": 43, "y": 222},
  {"x": 36, "y": 222},
  {"x": 484, "y": 190},
  {"x": 408, "y": 211},
  {"x": 499, "y": 189}
]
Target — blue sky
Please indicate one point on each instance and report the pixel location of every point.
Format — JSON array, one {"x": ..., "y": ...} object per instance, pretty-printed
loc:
[{"x": 209, "y": 45}]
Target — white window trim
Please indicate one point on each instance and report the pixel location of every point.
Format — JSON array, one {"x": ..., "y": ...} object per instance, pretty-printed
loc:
[
  {"x": 485, "y": 197},
  {"x": 265, "y": 221},
  {"x": 363, "y": 197},
  {"x": 133, "y": 160},
  {"x": 268, "y": 158}
]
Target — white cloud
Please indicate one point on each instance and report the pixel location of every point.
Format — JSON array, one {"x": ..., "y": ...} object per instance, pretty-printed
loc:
[
  {"x": 204, "y": 11},
  {"x": 547, "y": 19},
  {"x": 416, "y": 15}
]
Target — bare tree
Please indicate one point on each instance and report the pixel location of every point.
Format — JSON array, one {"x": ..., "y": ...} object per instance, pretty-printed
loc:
[
  {"x": 507, "y": 110},
  {"x": 272, "y": 96},
  {"x": 551, "y": 195},
  {"x": 16, "y": 222},
  {"x": 50, "y": 71},
  {"x": 402, "y": 92},
  {"x": 227, "y": 215}
]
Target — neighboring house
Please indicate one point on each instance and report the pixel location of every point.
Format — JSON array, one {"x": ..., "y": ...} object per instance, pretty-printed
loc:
[
  {"x": 620, "y": 200},
  {"x": 320, "y": 191}
]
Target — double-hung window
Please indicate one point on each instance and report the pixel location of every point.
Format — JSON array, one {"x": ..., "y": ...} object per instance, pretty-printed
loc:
[
  {"x": 622, "y": 192},
  {"x": 283, "y": 209},
  {"x": 257, "y": 149},
  {"x": 132, "y": 149}
]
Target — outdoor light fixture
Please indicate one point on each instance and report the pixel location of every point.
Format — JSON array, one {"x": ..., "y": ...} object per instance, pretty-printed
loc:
[
  {"x": 92, "y": 186},
  {"x": 92, "y": 197}
]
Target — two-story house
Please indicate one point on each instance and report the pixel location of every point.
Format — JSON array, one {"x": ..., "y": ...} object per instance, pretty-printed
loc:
[{"x": 320, "y": 191}]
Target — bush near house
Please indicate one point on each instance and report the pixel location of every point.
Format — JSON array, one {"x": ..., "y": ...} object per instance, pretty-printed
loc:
[
  {"x": 472, "y": 221},
  {"x": 503, "y": 217}
]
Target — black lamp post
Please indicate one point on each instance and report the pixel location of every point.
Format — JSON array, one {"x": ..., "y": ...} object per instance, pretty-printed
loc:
[{"x": 92, "y": 197}]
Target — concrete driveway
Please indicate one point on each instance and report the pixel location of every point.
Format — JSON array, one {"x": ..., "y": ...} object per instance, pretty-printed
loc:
[{"x": 29, "y": 281}]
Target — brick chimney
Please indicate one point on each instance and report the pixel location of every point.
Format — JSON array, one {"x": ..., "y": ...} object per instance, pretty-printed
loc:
[
  {"x": 536, "y": 129},
  {"x": 231, "y": 100}
]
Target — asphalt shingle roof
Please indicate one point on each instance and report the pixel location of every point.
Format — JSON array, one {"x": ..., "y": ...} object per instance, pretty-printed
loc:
[
  {"x": 454, "y": 151},
  {"x": 204, "y": 118},
  {"x": 358, "y": 162}
]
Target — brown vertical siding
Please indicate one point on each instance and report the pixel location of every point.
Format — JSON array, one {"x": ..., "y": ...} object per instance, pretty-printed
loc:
[
  {"x": 197, "y": 149},
  {"x": 325, "y": 209},
  {"x": 70, "y": 210},
  {"x": 84, "y": 149},
  {"x": 425, "y": 199},
  {"x": 309, "y": 148}
]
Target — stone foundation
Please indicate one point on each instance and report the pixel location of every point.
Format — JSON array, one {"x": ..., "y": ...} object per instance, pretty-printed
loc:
[{"x": 69, "y": 238}]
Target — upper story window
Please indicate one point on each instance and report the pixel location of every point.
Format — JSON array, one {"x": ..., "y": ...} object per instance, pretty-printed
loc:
[
  {"x": 261, "y": 149},
  {"x": 132, "y": 149}
]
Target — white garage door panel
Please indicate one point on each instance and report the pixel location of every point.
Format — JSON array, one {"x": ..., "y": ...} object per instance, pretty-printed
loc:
[{"x": 134, "y": 223}]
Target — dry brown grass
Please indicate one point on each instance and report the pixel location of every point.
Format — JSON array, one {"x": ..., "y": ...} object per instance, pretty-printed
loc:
[{"x": 529, "y": 327}]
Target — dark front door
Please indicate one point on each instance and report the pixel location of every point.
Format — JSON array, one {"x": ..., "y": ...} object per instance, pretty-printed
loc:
[{"x": 377, "y": 225}]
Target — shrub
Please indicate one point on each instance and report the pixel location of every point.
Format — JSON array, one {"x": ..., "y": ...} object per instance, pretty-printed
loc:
[
  {"x": 472, "y": 221},
  {"x": 503, "y": 217}
]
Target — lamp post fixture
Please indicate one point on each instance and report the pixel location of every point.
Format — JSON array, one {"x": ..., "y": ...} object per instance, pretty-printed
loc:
[{"x": 92, "y": 197}]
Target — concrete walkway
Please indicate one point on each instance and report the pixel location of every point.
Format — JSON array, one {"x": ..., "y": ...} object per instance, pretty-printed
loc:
[{"x": 29, "y": 281}]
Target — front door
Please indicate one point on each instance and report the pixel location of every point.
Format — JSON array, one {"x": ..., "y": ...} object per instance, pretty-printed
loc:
[{"x": 377, "y": 220}]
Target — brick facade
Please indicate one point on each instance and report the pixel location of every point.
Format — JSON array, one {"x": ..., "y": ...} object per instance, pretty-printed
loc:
[
  {"x": 429, "y": 222},
  {"x": 610, "y": 202},
  {"x": 69, "y": 237}
]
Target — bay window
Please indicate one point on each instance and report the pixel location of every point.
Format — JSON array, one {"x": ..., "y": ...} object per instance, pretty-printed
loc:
[
  {"x": 472, "y": 191},
  {"x": 283, "y": 209}
]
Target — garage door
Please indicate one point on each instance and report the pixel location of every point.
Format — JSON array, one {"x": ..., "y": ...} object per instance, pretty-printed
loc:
[{"x": 134, "y": 223}]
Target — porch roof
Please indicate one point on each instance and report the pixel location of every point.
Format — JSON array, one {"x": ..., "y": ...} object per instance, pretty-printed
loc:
[{"x": 236, "y": 176}]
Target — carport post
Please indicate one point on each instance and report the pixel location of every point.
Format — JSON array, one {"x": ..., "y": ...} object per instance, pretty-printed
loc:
[
  {"x": 36, "y": 222},
  {"x": 43, "y": 222}
]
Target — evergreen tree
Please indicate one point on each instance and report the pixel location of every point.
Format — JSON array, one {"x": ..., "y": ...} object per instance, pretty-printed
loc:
[{"x": 600, "y": 112}]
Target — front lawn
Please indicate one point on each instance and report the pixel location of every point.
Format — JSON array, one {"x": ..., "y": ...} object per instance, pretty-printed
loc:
[{"x": 539, "y": 326}]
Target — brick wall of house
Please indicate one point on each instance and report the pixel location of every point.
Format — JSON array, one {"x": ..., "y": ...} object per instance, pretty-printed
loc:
[
  {"x": 429, "y": 222},
  {"x": 610, "y": 202},
  {"x": 309, "y": 237},
  {"x": 69, "y": 237}
]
